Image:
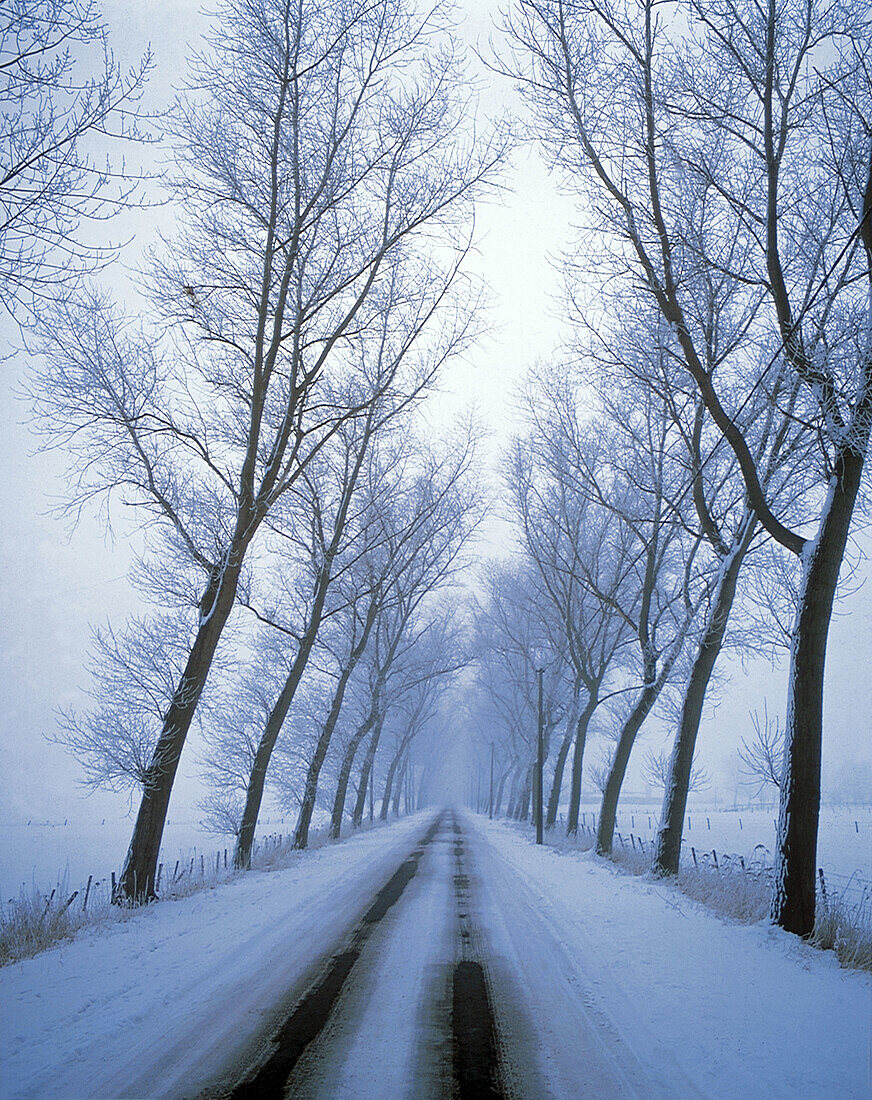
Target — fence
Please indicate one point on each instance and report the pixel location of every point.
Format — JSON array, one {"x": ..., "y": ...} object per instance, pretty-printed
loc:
[{"x": 854, "y": 889}]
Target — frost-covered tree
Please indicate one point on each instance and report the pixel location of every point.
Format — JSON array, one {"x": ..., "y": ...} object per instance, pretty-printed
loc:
[
  {"x": 61, "y": 94},
  {"x": 762, "y": 757},
  {"x": 322, "y": 150},
  {"x": 756, "y": 118},
  {"x": 517, "y": 632}
]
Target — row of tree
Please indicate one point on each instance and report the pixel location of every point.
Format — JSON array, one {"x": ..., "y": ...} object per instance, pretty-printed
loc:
[
  {"x": 712, "y": 421},
  {"x": 702, "y": 436},
  {"x": 257, "y": 411}
]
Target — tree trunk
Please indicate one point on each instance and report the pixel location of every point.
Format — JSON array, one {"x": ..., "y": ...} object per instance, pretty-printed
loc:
[
  {"x": 498, "y": 798},
  {"x": 611, "y": 794},
  {"x": 345, "y": 774},
  {"x": 307, "y": 808},
  {"x": 389, "y": 785},
  {"x": 523, "y": 809},
  {"x": 557, "y": 780},
  {"x": 401, "y": 782},
  {"x": 137, "y": 880},
  {"x": 793, "y": 900},
  {"x": 257, "y": 779},
  {"x": 368, "y": 760},
  {"x": 667, "y": 853},
  {"x": 578, "y": 760},
  {"x": 514, "y": 792}
]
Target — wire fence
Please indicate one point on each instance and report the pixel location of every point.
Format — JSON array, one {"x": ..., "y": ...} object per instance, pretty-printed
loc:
[{"x": 854, "y": 889}]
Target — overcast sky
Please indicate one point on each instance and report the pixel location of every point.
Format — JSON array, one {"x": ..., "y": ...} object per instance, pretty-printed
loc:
[{"x": 54, "y": 584}]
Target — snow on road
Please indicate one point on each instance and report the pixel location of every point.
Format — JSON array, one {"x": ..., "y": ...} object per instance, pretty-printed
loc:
[
  {"x": 599, "y": 984},
  {"x": 170, "y": 998}
]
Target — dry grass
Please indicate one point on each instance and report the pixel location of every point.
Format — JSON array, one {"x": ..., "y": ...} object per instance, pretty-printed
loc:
[
  {"x": 36, "y": 920},
  {"x": 845, "y": 926},
  {"x": 742, "y": 893}
]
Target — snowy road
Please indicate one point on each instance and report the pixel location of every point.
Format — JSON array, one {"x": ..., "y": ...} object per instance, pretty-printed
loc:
[
  {"x": 432, "y": 994},
  {"x": 442, "y": 957}
]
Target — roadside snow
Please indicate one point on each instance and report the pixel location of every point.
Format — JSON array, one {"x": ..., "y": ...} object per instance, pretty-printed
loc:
[
  {"x": 169, "y": 999},
  {"x": 745, "y": 1011}
]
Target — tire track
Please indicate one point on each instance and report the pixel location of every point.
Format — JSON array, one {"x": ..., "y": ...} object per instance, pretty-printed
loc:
[
  {"x": 475, "y": 1046},
  {"x": 312, "y": 1011}
]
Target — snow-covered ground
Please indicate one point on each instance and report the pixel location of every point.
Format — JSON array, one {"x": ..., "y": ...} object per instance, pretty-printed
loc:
[
  {"x": 43, "y": 853},
  {"x": 591, "y": 972}
]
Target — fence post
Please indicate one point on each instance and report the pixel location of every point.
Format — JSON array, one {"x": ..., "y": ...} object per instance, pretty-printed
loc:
[{"x": 87, "y": 891}]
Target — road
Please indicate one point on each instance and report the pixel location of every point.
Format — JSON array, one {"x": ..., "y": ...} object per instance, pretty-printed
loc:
[
  {"x": 448, "y": 984},
  {"x": 440, "y": 957}
]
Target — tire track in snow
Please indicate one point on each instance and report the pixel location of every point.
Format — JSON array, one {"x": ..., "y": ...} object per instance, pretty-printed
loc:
[
  {"x": 312, "y": 1011},
  {"x": 476, "y": 1063}
]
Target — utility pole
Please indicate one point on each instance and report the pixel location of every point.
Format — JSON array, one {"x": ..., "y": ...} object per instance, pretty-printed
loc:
[
  {"x": 540, "y": 761},
  {"x": 490, "y": 801}
]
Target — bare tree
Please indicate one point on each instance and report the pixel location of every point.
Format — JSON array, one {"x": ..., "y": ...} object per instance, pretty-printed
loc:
[
  {"x": 578, "y": 553},
  {"x": 763, "y": 756},
  {"x": 320, "y": 155},
  {"x": 134, "y": 672},
  {"x": 517, "y": 632},
  {"x": 427, "y": 524},
  {"x": 657, "y": 770},
  {"x": 396, "y": 521},
  {"x": 60, "y": 88},
  {"x": 233, "y": 730},
  {"x": 629, "y": 465},
  {"x": 730, "y": 124},
  {"x": 415, "y": 701},
  {"x": 600, "y": 770},
  {"x": 323, "y": 507}
]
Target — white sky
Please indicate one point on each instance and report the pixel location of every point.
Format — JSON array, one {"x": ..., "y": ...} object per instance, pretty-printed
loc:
[{"x": 53, "y": 586}]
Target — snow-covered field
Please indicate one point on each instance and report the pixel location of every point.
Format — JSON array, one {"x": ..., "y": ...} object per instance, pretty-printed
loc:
[
  {"x": 45, "y": 853},
  {"x": 42, "y": 853},
  {"x": 844, "y": 840},
  {"x": 162, "y": 1002}
]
